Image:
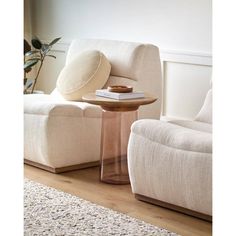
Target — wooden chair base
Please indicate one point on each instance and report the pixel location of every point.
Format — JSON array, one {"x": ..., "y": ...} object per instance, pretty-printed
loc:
[
  {"x": 62, "y": 169},
  {"x": 173, "y": 207}
]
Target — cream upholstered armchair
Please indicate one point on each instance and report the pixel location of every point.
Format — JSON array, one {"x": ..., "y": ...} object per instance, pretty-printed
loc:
[
  {"x": 61, "y": 135},
  {"x": 170, "y": 163}
]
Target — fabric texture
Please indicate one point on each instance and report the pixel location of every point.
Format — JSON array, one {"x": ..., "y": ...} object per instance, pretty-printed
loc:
[
  {"x": 171, "y": 163},
  {"x": 173, "y": 136},
  {"x": 194, "y": 125},
  {"x": 205, "y": 114},
  {"x": 87, "y": 72},
  {"x": 123, "y": 56},
  {"x": 48, "y": 211}
]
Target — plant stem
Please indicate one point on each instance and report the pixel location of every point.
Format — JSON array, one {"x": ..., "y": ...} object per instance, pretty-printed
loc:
[{"x": 41, "y": 63}]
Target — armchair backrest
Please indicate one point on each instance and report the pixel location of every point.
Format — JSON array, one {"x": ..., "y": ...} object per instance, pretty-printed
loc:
[
  {"x": 134, "y": 64},
  {"x": 205, "y": 114}
]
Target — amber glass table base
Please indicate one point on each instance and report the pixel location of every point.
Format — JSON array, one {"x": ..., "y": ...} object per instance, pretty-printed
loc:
[
  {"x": 117, "y": 118},
  {"x": 115, "y": 137},
  {"x": 114, "y": 170}
]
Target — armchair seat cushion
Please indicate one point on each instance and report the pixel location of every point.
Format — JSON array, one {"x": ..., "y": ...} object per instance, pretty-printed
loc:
[
  {"x": 174, "y": 136},
  {"x": 42, "y": 104}
]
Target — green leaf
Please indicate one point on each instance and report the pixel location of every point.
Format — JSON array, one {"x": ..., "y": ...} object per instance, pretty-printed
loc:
[
  {"x": 33, "y": 59},
  {"x": 36, "y": 43},
  {"x": 45, "y": 48},
  {"x": 27, "y": 70},
  {"x": 51, "y": 56},
  {"x": 36, "y": 58},
  {"x": 29, "y": 63},
  {"x": 54, "y": 41},
  {"x": 31, "y": 53},
  {"x": 29, "y": 85}
]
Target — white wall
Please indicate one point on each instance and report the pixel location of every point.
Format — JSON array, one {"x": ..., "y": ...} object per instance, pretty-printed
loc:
[
  {"x": 27, "y": 20},
  {"x": 180, "y": 28}
]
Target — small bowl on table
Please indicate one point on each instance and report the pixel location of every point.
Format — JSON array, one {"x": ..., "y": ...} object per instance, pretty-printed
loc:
[{"x": 120, "y": 89}]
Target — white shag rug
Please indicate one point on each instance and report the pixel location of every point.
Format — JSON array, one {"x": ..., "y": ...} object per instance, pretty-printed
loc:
[{"x": 48, "y": 211}]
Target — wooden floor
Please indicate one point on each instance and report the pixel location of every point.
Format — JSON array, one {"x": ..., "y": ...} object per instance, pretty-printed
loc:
[{"x": 85, "y": 184}]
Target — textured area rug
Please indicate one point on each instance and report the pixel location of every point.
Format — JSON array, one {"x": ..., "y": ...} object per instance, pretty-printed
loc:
[{"x": 48, "y": 211}]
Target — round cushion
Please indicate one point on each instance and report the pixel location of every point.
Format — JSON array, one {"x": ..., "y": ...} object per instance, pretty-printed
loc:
[{"x": 86, "y": 72}]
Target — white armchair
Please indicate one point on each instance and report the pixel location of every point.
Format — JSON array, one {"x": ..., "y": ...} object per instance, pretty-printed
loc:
[
  {"x": 62, "y": 135},
  {"x": 170, "y": 163}
]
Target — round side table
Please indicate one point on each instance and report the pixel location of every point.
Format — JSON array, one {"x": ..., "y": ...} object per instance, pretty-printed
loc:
[{"x": 117, "y": 118}]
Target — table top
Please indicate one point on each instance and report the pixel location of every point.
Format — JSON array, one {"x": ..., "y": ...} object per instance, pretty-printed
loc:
[{"x": 118, "y": 105}]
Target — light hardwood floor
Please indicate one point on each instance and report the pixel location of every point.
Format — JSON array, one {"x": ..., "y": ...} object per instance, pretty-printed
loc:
[{"x": 85, "y": 184}]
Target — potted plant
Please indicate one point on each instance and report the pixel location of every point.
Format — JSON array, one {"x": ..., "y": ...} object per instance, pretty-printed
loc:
[{"x": 34, "y": 56}]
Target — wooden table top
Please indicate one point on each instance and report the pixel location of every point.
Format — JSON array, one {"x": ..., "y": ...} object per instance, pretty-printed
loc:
[{"x": 118, "y": 105}]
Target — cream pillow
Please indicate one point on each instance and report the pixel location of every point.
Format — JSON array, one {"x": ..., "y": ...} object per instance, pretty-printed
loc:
[{"x": 86, "y": 72}]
